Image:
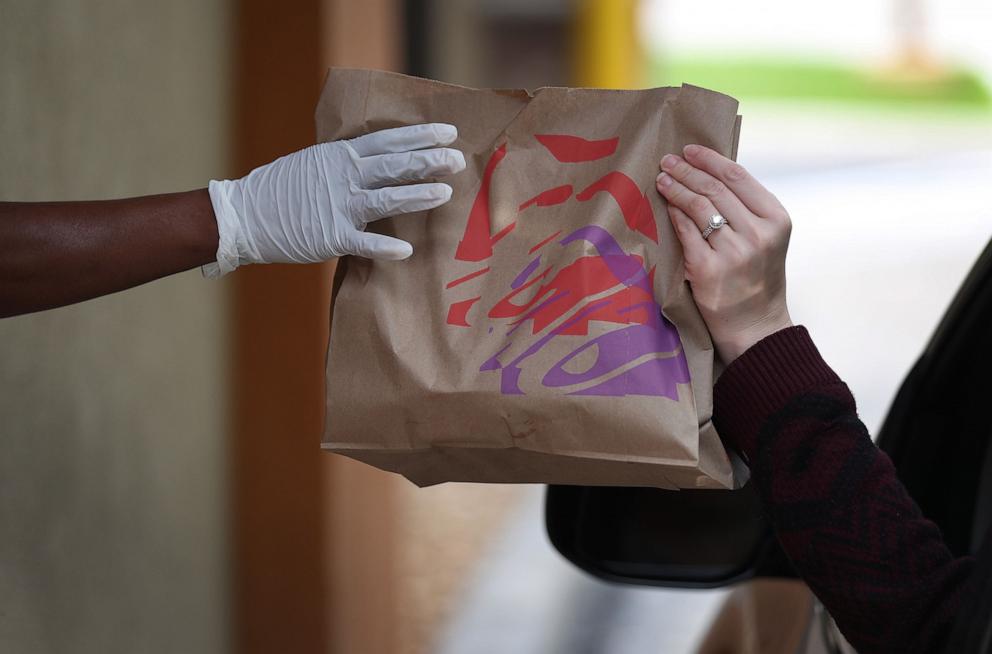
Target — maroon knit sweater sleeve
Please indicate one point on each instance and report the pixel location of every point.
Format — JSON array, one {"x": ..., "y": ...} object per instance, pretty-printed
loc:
[{"x": 845, "y": 521}]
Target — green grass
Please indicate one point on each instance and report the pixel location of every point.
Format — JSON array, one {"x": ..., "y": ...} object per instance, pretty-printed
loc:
[{"x": 781, "y": 79}]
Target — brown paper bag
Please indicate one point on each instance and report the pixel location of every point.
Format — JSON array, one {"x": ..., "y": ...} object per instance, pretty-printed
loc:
[{"x": 542, "y": 330}]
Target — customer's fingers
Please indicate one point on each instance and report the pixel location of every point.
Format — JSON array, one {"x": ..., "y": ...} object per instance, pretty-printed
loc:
[
  {"x": 695, "y": 249},
  {"x": 756, "y": 197},
  {"x": 720, "y": 196},
  {"x": 697, "y": 207}
]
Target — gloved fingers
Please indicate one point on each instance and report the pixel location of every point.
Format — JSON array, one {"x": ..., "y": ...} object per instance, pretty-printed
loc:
[
  {"x": 379, "y": 246},
  {"x": 393, "y": 200},
  {"x": 384, "y": 169},
  {"x": 404, "y": 139}
]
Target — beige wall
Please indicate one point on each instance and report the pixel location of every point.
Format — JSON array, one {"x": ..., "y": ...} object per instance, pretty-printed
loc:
[{"x": 112, "y": 486}]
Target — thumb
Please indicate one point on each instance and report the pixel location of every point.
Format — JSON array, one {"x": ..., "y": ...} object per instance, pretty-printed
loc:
[{"x": 378, "y": 246}]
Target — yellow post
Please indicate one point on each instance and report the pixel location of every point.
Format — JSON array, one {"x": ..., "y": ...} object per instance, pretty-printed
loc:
[{"x": 606, "y": 52}]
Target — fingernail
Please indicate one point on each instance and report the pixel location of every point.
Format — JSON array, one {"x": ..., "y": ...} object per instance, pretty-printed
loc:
[
  {"x": 669, "y": 161},
  {"x": 664, "y": 179},
  {"x": 691, "y": 150}
]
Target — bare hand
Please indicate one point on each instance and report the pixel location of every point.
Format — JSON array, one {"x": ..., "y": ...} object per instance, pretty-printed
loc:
[{"x": 737, "y": 274}]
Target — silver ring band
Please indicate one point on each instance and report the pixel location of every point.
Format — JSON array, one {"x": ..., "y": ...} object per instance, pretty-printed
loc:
[{"x": 716, "y": 222}]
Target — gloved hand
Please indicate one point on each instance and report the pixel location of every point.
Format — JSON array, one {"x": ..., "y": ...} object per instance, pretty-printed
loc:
[{"x": 314, "y": 204}]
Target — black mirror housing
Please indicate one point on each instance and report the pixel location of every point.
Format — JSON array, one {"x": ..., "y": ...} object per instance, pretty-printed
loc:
[{"x": 648, "y": 536}]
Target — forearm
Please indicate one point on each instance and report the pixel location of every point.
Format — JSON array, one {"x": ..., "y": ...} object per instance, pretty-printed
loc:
[
  {"x": 58, "y": 253},
  {"x": 842, "y": 516},
  {"x": 308, "y": 206}
]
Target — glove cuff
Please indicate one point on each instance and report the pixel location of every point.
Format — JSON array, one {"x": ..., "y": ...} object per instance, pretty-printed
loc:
[{"x": 231, "y": 240}]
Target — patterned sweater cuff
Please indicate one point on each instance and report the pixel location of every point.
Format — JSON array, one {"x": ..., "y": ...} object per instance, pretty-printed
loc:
[{"x": 762, "y": 381}]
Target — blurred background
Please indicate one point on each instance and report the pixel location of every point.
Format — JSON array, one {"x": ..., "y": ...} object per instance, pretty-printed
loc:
[{"x": 161, "y": 485}]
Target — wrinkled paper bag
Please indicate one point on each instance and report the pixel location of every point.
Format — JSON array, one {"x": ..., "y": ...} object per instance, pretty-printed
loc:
[{"x": 542, "y": 330}]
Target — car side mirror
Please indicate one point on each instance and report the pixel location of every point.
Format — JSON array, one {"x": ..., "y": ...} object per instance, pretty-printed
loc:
[{"x": 648, "y": 536}]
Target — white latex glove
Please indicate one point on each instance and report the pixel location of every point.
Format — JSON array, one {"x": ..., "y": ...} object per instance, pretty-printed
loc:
[{"x": 314, "y": 204}]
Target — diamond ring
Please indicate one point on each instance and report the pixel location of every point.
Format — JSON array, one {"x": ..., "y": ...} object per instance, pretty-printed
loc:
[{"x": 716, "y": 222}]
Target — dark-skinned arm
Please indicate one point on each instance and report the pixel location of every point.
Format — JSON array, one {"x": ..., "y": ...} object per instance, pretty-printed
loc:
[
  {"x": 58, "y": 253},
  {"x": 308, "y": 206}
]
